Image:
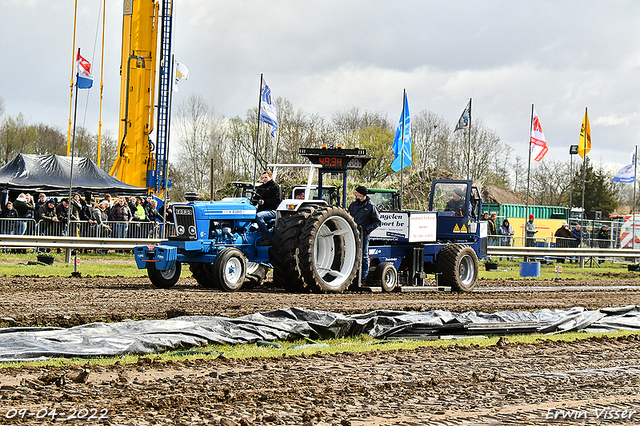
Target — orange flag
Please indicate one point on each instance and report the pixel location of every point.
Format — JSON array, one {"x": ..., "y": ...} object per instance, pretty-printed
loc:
[{"x": 584, "y": 146}]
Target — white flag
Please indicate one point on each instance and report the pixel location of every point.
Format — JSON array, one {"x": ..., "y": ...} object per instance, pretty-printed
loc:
[
  {"x": 539, "y": 148},
  {"x": 182, "y": 73},
  {"x": 627, "y": 174}
]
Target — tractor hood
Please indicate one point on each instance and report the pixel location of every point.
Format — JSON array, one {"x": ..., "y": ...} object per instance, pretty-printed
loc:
[{"x": 227, "y": 208}]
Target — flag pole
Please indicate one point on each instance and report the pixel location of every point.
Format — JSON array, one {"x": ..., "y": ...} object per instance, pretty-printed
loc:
[
  {"x": 104, "y": 4},
  {"x": 73, "y": 142},
  {"x": 165, "y": 198},
  {"x": 529, "y": 165},
  {"x": 73, "y": 64},
  {"x": 469, "y": 144},
  {"x": 404, "y": 101},
  {"x": 584, "y": 168},
  {"x": 255, "y": 154},
  {"x": 633, "y": 208}
]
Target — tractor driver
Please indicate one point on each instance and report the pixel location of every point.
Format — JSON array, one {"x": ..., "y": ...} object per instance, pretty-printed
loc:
[
  {"x": 456, "y": 203},
  {"x": 268, "y": 197}
]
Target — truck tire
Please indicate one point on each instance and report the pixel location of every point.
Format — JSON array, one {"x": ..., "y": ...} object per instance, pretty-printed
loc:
[
  {"x": 202, "y": 274},
  {"x": 387, "y": 276},
  {"x": 330, "y": 252},
  {"x": 284, "y": 251},
  {"x": 256, "y": 272},
  {"x": 229, "y": 269},
  {"x": 458, "y": 266},
  {"x": 164, "y": 279}
]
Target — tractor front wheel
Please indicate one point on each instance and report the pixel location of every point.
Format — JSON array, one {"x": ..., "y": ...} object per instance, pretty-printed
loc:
[
  {"x": 164, "y": 279},
  {"x": 229, "y": 269}
]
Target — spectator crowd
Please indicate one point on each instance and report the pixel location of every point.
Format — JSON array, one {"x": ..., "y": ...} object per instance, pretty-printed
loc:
[{"x": 88, "y": 216}]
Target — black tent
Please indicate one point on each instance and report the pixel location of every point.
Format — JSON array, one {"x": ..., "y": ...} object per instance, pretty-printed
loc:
[{"x": 50, "y": 174}]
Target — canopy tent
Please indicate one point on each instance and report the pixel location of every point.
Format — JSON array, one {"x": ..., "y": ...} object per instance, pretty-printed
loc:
[{"x": 50, "y": 174}]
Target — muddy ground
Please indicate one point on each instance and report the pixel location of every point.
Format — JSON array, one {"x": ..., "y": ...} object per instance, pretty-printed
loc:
[{"x": 588, "y": 382}]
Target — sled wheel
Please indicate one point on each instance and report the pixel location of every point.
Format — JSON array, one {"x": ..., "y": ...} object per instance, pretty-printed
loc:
[
  {"x": 330, "y": 251},
  {"x": 164, "y": 279},
  {"x": 387, "y": 276},
  {"x": 458, "y": 266},
  {"x": 229, "y": 269}
]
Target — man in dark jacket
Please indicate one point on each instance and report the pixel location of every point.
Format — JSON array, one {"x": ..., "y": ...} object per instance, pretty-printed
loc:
[
  {"x": 366, "y": 215},
  {"x": 603, "y": 236},
  {"x": 9, "y": 225},
  {"x": 268, "y": 197},
  {"x": 25, "y": 208},
  {"x": 47, "y": 219},
  {"x": 120, "y": 213},
  {"x": 563, "y": 237}
]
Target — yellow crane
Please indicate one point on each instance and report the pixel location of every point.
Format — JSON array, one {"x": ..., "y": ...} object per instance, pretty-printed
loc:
[{"x": 139, "y": 161}]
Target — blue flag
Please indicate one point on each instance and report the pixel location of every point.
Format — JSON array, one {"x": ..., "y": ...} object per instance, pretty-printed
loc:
[
  {"x": 463, "y": 122},
  {"x": 627, "y": 174},
  {"x": 267, "y": 108},
  {"x": 402, "y": 141}
]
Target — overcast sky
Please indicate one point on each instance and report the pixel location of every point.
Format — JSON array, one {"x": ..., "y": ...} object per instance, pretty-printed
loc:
[{"x": 328, "y": 56}]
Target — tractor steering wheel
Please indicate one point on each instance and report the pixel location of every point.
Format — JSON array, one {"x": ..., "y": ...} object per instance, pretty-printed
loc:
[{"x": 252, "y": 195}]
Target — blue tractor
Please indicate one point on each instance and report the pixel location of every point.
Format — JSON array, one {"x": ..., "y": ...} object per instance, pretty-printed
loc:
[{"x": 317, "y": 246}]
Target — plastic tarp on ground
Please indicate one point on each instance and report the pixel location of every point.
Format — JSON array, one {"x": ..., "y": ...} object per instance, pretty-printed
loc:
[
  {"x": 151, "y": 336},
  {"x": 50, "y": 173}
]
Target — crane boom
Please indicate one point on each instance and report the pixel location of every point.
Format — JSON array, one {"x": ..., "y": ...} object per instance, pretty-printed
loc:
[{"x": 139, "y": 161}]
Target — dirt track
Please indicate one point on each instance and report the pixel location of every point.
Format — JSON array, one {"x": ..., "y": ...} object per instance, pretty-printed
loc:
[
  {"x": 28, "y": 301},
  {"x": 503, "y": 384}
]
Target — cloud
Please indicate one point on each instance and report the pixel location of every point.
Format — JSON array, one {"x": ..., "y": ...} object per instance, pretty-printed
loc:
[{"x": 329, "y": 56}]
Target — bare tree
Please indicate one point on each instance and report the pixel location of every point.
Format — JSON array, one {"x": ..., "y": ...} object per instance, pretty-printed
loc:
[
  {"x": 16, "y": 136},
  {"x": 108, "y": 150},
  {"x": 347, "y": 124},
  {"x": 193, "y": 126},
  {"x": 519, "y": 172},
  {"x": 50, "y": 140},
  {"x": 549, "y": 183}
]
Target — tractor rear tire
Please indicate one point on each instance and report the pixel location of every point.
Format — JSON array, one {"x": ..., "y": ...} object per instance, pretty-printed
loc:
[
  {"x": 458, "y": 266},
  {"x": 202, "y": 274},
  {"x": 229, "y": 269},
  {"x": 164, "y": 279},
  {"x": 256, "y": 273},
  {"x": 284, "y": 251},
  {"x": 330, "y": 252}
]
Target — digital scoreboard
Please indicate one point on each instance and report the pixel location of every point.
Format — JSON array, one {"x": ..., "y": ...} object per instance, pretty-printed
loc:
[{"x": 336, "y": 158}]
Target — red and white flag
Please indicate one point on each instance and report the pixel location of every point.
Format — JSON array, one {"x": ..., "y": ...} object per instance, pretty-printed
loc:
[
  {"x": 83, "y": 76},
  {"x": 538, "y": 143}
]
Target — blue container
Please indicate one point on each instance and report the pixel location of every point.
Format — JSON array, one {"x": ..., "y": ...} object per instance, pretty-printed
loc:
[{"x": 529, "y": 269}]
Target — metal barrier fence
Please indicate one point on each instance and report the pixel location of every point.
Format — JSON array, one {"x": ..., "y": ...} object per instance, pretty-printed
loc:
[
  {"x": 85, "y": 229},
  {"x": 29, "y": 234},
  {"x": 512, "y": 241}
]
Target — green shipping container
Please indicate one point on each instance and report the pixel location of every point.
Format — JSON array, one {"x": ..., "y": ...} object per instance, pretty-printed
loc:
[{"x": 520, "y": 210}]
